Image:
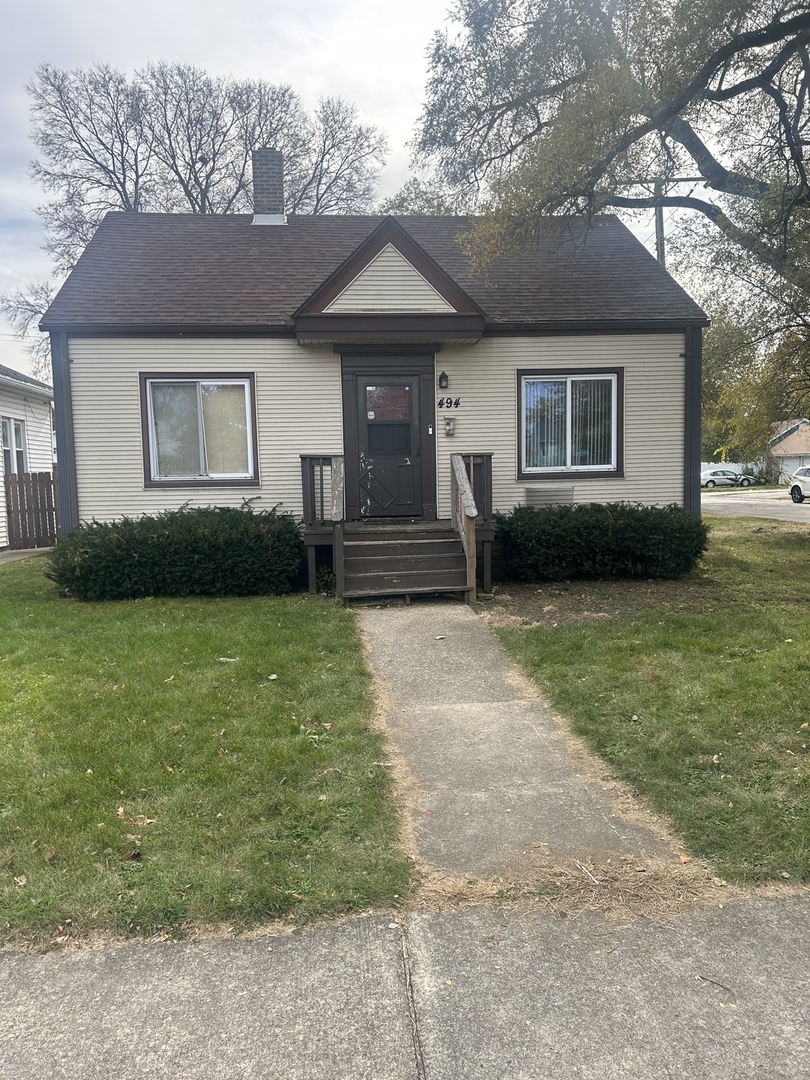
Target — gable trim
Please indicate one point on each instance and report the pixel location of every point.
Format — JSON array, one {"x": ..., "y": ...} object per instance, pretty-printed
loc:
[{"x": 389, "y": 231}]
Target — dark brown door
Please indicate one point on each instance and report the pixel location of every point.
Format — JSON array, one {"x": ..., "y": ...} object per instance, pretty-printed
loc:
[{"x": 389, "y": 466}]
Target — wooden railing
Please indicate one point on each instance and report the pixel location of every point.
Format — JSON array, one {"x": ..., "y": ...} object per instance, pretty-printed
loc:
[
  {"x": 479, "y": 471},
  {"x": 463, "y": 514},
  {"x": 31, "y": 510},
  {"x": 323, "y": 482}
]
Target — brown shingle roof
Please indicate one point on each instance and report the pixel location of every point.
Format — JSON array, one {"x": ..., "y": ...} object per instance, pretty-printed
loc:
[{"x": 173, "y": 271}]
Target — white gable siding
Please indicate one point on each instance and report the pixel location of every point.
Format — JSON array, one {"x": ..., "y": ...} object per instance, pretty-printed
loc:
[
  {"x": 389, "y": 283},
  {"x": 484, "y": 377},
  {"x": 298, "y": 412}
]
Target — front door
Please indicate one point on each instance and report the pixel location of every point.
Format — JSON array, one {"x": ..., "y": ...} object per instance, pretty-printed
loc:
[
  {"x": 388, "y": 435},
  {"x": 389, "y": 465}
]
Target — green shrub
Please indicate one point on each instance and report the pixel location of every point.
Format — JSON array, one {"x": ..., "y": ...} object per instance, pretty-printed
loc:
[
  {"x": 206, "y": 551},
  {"x": 599, "y": 540}
]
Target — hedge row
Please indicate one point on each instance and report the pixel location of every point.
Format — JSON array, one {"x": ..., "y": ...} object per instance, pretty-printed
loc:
[
  {"x": 599, "y": 540},
  {"x": 207, "y": 551}
]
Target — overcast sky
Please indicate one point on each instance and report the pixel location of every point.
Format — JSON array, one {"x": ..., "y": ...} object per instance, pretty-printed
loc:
[{"x": 372, "y": 52}]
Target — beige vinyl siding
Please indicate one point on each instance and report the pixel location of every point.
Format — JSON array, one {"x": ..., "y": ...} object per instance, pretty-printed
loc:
[
  {"x": 485, "y": 378},
  {"x": 389, "y": 283},
  {"x": 298, "y": 405}
]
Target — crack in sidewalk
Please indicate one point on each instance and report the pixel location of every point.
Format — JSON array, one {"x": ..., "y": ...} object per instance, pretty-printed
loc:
[{"x": 416, "y": 1040}]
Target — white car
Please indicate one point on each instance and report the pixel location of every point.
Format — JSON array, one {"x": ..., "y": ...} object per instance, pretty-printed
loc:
[
  {"x": 725, "y": 477},
  {"x": 800, "y": 484}
]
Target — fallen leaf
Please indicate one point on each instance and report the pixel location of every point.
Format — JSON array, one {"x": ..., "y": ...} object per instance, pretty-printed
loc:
[
  {"x": 89, "y": 772},
  {"x": 131, "y": 856},
  {"x": 326, "y": 727},
  {"x": 141, "y": 819},
  {"x": 272, "y": 678},
  {"x": 785, "y": 874},
  {"x": 685, "y": 858},
  {"x": 50, "y": 855},
  {"x": 120, "y": 813},
  {"x": 20, "y": 881},
  {"x": 133, "y": 838}
]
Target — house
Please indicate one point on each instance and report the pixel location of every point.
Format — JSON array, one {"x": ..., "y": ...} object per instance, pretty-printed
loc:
[
  {"x": 790, "y": 446},
  {"x": 26, "y": 427},
  {"x": 358, "y": 371}
]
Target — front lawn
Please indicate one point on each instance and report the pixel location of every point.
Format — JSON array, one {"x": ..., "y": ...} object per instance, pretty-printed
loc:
[
  {"x": 176, "y": 761},
  {"x": 696, "y": 691}
]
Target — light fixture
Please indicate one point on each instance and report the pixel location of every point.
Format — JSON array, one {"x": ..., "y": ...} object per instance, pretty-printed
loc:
[{"x": 444, "y": 382}]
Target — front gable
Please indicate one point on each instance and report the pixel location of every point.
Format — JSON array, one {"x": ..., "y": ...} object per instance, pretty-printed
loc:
[
  {"x": 389, "y": 289},
  {"x": 389, "y": 283}
]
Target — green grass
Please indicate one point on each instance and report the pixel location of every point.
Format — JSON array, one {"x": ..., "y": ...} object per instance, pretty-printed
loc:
[
  {"x": 147, "y": 783},
  {"x": 696, "y": 692}
]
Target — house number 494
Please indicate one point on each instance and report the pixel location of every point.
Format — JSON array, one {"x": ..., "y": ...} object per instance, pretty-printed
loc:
[{"x": 449, "y": 403}]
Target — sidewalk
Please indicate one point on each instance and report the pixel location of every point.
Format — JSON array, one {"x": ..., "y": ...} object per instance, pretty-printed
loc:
[
  {"x": 494, "y": 772},
  {"x": 497, "y": 992},
  {"x": 12, "y": 556}
]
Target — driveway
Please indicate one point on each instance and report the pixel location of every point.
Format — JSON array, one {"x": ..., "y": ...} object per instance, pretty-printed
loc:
[{"x": 753, "y": 503}]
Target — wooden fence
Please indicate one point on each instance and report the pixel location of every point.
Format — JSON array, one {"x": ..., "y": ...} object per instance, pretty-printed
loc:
[{"x": 31, "y": 509}]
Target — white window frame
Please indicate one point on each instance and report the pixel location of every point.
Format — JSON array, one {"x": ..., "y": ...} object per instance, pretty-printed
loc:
[
  {"x": 16, "y": 444},
  {"x": 250, "y": 476},
  {"x": 568, "y": 378}
]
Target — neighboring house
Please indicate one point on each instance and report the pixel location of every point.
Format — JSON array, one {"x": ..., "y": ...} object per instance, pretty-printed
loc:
[
  {"x": 331, "y": 366},
  {"x": 26, "y": 431},
  {"x": 790, "y": 446}
]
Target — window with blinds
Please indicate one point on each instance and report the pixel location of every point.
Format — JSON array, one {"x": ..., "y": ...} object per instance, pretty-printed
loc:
[
  {"x": 569, "y": 422},
  {"x": 200, "y": 429}
]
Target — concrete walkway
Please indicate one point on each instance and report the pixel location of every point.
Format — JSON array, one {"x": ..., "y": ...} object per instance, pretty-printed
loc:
[
  {"x": 494, "y": 992},
  {"x": 12, "y": 556},
  {"x": 494, "y": 772}
]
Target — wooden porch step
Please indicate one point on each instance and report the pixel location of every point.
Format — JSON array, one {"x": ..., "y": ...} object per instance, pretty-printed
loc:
[
  {"x": 409, "y": 581},
  {"x": 365, "y": 548},
  {"x": 385, "y": 564}
]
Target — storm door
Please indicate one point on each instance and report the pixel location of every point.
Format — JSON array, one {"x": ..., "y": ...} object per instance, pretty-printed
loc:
[
  {"x": 389, "y": 452},
  {"x": 388, "y": 435}
]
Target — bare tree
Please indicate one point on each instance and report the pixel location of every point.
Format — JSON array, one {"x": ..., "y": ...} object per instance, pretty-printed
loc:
[
  {"x": 89, "y": 127},
  {"x": 173, "y": 138},
  {"x": 344, "y": 161},
  {"x": 202, "y": 132},
  {"x": 23, "y": 308}
]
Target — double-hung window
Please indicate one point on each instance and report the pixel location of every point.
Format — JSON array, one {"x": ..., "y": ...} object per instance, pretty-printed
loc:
[
  {"x": 570, "y": 423},
  {"x": 13, "y": 437},
  {"x": 199, "y": 430}
]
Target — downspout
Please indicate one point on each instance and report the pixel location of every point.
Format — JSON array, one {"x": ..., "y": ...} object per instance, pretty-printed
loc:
[
  {"x": 65, "y": 447},
  {"x": 693, "y": 364}
]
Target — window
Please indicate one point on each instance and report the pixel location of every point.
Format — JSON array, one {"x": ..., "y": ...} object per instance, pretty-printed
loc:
[
  {"x": 570, "y": 423},
  {"x": 199, "y": 430},
  {"x": 13, "y": 435}
]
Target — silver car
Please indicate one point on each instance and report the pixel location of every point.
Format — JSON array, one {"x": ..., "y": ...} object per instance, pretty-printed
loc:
[
  {"x": 800, "y": 484},
  {"x": 725, "y": 477}
]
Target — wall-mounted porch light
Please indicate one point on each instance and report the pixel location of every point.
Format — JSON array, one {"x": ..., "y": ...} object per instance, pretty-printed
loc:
[{"x": 444, "y": 382}]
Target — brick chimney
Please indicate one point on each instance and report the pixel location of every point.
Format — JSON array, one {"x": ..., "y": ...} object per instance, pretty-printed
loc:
[{"x": 268, "y": 187}]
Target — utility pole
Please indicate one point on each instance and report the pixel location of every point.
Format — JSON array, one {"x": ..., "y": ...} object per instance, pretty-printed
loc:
[{"x": 660, "y": 251}]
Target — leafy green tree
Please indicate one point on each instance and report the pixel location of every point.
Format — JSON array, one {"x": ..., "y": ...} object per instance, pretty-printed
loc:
[{"x": 573, "y": 106}]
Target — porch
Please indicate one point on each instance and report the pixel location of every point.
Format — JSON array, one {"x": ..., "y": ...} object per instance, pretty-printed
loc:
[{"x": 400, "y": 556}]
